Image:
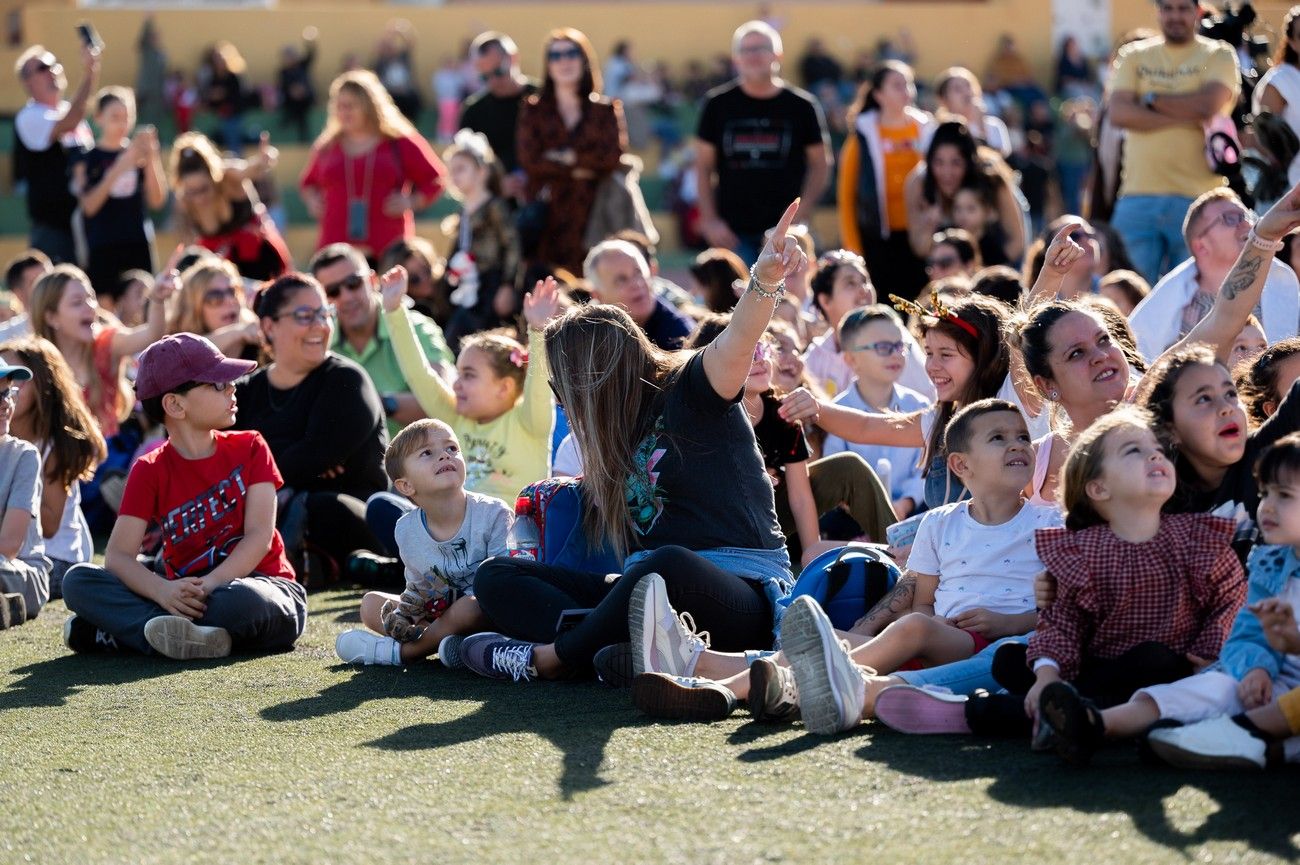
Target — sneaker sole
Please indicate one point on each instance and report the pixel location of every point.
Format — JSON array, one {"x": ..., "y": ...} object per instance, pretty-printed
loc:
[
  {"x": 760, "y": 682},
  {"x": 911, "y": 710},
  {"x": 636, "y": 625},
  {"x": 615, "y": 666},
  {"x": 808, "y": 641},
  {"x": 180, "y": 639},
  {"x": 1181, "y": 758},
  {"x": 660, "y": 697}
]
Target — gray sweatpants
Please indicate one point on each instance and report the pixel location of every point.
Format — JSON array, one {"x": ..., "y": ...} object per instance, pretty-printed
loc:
[
  {"x": 262, "y": 614},
  {"x": 33, "y": 583}
]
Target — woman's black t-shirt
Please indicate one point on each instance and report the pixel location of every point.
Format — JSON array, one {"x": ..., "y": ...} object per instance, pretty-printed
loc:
[
  {"x": 333, "y": 417},
  {"x": 122, "y": 218},
  {"x": 698, "y": 480},
  {"x": 779, "y": 441}
]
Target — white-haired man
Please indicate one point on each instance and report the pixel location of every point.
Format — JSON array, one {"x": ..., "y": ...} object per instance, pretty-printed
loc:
[{"x": 619, "y": 275}]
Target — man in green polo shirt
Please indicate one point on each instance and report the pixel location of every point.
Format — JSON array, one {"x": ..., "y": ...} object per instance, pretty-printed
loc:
[{"x": 361, "y": 335}]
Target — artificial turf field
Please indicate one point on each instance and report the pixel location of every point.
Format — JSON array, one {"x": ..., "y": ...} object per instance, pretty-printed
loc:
[{"x": 296, "y": 758}]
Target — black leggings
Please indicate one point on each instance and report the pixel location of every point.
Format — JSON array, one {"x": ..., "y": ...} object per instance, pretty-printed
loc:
[
  {"x": 336, "y": 524},
  {"x": 1106, "y": 681},
  {"x": 524, "y": 599}
]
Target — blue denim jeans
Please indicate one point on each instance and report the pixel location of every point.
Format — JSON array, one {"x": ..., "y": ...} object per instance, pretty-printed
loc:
[
  {"x": 262, "y": 614},
  {"x": 963, "y": 677},
  {"x": 1151, "y": 227}
]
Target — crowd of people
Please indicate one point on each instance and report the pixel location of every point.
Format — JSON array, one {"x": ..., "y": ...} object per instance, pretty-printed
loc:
[{"x": 1081, "y": 487}]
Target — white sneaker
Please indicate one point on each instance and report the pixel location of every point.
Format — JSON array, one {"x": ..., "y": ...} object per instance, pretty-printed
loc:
[
  {"x": 831, "y": 686},
  {"x": 1217, "y": 743},
  {"x": 662, "y": 640},
  {"x": 357, "y": 646},
  {"x": 178, "y": 638}
]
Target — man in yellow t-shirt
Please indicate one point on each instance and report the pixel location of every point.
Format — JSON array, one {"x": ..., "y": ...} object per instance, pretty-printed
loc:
[{"x": 1163, "y": 92}]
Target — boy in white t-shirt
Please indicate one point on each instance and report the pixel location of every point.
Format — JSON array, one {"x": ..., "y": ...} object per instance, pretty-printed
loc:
[{"x": 970, "y": 577}]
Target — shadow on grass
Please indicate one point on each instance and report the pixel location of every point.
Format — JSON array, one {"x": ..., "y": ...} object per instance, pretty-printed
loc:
[
  {"x": 756, "y": 732},
  {"x": 577, "y": 718},
  {"x": 1253, "y": 809},
  {"x": 52, "y": 682}
]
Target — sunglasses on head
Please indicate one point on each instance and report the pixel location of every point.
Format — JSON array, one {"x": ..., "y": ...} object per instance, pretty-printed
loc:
[
  {"x": 307, "y": 316},
  {"x": 351, "y": 283},
  {"x": 555, "y": 55}
]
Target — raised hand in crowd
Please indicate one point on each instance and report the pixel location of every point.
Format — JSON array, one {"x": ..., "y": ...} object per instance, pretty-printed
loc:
[
  {"x": 392, "y": 287},
  {"x": 1062, "y": 255},
  {"x": 542, "y": 303}
]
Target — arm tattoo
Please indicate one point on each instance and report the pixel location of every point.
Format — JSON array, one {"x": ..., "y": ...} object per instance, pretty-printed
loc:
[
  {"x": 897, "y": 603},
  {"x": 1243, "y": 273}
]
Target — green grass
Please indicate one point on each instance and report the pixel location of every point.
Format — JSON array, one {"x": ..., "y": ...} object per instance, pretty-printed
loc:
[{"x": 295, "y": 758}]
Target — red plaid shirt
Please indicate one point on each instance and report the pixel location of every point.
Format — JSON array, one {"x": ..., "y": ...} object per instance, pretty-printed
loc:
[{"x": 1182, "y": 588}]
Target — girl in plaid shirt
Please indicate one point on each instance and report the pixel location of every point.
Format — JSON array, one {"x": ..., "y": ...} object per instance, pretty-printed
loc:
[
  {"x": 1261, "y": 658},
  {"x": 1143, "y": 597}
]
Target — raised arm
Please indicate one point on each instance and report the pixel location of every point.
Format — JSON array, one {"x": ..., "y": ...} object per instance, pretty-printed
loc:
[
  {"x": 853, "y": 425},
  {"x": 134, "y": 340},
  {"x": 1244, "y": 284},
  {"x": 728, "y": 358},
  {"x": 433, "y": 394}
]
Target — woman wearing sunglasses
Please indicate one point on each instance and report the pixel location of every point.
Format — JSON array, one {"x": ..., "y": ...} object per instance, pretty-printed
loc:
[
  {"x": 324, "y": 423},
  {"x": 212, "y": 304},
  {"x": 570, "y": 138}
]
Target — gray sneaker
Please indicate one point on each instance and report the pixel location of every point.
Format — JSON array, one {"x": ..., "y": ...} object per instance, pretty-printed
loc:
[
  {"x": 663, "y": 640},
  {"x": 831, "y": 686},
  {"x": 497, "y": 656},
  {"x": 13, "y": 610},
  {"x": 178, "y": 638},
  {"x": 449, "y": 652},
  {"x": 773, "y": 694},
  {"x": 682, "y": 698}
]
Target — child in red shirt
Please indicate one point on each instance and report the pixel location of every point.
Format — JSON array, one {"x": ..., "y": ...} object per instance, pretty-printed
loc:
[{"x": 222, "y": 579}]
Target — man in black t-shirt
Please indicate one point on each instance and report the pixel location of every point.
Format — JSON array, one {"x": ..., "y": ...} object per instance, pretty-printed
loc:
[
  {"x": 760, "y": 142},
  {"x": 494, "y": 110}
]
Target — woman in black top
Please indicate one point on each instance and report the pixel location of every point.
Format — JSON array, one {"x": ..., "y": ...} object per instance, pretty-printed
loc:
[
  {"x": 322, "y": 418},
  {"x": 672, "y": 476}
]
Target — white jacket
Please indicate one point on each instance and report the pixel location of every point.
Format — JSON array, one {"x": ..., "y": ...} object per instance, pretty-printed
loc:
[{"x": 1158, "y": 318}]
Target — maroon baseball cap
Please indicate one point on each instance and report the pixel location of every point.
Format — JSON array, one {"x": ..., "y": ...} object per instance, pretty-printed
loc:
[{"x": 183, "y": 357}]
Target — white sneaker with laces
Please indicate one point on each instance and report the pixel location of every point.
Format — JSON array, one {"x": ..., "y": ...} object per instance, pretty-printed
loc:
[
  {"x": 663, "y": 641},
  {"x": 1216, "y": 743},
  {"x": 356, "y": 646},
  {"x": 831, "y": 686}
]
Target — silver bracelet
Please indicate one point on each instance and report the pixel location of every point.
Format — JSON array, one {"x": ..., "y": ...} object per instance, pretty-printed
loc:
[{"x": 756, "y": 286}]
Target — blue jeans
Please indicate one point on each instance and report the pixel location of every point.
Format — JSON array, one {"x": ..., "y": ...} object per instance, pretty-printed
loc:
[
  {"x": 1151, "y": 227},
  {"x": 262, "y": 614},
  {"x": 963, "y": 677}
]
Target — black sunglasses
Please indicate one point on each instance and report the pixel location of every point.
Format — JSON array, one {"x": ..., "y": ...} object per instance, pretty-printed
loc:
[
  {"x": 351, "y": 283},
  {"x": 557, "y": 54}
]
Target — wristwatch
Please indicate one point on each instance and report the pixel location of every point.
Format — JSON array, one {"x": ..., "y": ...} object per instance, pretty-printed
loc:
[
  {"x": 389, "y": 402},
  {"x": 1149, "y": 101}
]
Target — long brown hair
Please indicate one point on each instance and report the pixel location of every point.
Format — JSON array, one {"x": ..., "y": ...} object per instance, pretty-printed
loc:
[
  {"x": 608, "y": 376},
  {"x": 378, "y": 105},
  {"x": 591, "y": 82},
  {"x": 60, "y": 418},
  {"x": 46, "y": 295},
  {"x": 194, "y": 284}
]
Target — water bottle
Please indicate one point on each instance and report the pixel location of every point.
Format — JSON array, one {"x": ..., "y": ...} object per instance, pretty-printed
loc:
[
  {"x": 523, "y": 539},
  {"x": 885, "y": 471}
]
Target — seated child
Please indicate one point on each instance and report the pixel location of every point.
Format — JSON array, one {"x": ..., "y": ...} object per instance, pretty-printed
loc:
[
  {"x": 970, "y": 579},
  {"x": 441, "y": 543},
  {"x": 223, "y": 583},
  {"x": 1143, "y": 597},
  {"x": 871, "y": 343},
  {"x": 24, "y": 569},
  {"x": 1261, "y": 658}
]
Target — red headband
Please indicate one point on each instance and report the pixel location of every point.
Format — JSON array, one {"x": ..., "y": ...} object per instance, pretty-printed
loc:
[{"x": 937, "y": 311}]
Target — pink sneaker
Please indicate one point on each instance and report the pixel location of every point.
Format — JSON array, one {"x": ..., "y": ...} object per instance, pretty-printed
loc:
[{"x": 909, "y": 709}]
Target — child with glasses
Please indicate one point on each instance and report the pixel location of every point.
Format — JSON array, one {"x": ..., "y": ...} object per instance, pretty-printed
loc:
[
  {"x": 871, "y": 340},
  {"x": 24, "y": 570}
]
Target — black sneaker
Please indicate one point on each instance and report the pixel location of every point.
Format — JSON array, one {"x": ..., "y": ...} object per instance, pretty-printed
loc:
[
  {"x": 614, "y": 665},
  {"x": 376, "y": 571},
  {"x": 13, "y": 610},
  {"x": 85, "y": 639},
  {"x": 1077, "y": 728}
]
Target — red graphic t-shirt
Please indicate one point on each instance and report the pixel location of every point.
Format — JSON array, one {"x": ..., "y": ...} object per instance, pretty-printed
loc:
[{"x": 200, "y": 503}]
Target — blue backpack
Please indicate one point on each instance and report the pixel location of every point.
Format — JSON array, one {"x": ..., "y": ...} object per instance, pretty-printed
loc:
[
  {"x": 847, "y": 582},
  {"x": 554, "y": 507}
]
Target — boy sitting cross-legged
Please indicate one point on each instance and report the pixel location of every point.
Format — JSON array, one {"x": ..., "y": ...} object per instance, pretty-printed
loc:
[
  {"x": 970, "y": 577},
  {"x": 224, "y": 581},
  {"x": 441, "y": 543}
]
